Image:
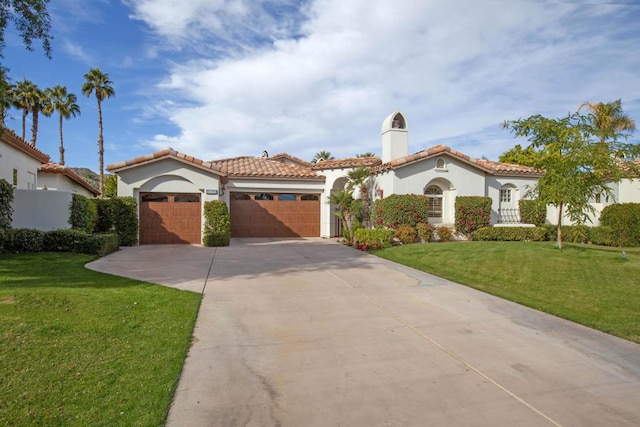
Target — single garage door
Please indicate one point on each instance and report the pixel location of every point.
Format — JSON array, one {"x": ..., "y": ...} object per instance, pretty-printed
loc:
[
  {"x": 275, "y": 215},
  {"x": 170, "y": 218}
]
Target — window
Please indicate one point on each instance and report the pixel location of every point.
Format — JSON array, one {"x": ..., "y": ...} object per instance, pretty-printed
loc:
[
  {"x": 186, "y": 198},
  {"x": 31, "y": 183},
  {"x": 440, "y": 163},
  {"x": 15, "y": 177},
  {"x": 240, "y": 196},
  {"x": 434, "y": 196},
  {"x": 286, "y": 197},
  {"x": 309, "y": 197},
  {"x": 155, "y": 197},
  {"x": 505, "y": 195},
  {"x": 263, "y": 196}
]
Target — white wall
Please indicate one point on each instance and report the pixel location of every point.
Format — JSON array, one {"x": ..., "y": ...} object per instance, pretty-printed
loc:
[
  {"x": 41, "y": 209},
  {"x": 11, "y": 158},
  {"x": 61, "y": 182}
]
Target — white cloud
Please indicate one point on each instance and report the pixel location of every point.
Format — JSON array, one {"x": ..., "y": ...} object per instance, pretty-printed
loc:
[
  {"x": 333, "y": 71},
  {"x": 77, "y": 51}
]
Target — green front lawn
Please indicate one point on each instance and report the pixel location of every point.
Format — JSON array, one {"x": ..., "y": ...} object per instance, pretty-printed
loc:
[
  {"x": 84, "y": 348},
  {"x": 591, "y": 285}
]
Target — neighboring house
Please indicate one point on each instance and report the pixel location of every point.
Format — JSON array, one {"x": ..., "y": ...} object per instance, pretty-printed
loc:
[
  {"x": 19, "y": 161},
  {"x": 284, "y": 196},
  {"x": 52, "y": 176}
]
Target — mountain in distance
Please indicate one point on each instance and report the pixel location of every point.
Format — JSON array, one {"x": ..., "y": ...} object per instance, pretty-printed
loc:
[{"x": 88, "y": 175}]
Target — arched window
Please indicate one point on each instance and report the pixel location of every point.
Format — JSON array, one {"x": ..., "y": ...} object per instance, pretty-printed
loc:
[
  {"x": 440, "y": 163},
  {"x": 434, "y": 195}
]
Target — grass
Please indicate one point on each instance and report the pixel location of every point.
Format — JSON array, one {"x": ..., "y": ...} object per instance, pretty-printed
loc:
[
  {"x": 79, "y": 347},
  {"x": 591, "y": 285}
]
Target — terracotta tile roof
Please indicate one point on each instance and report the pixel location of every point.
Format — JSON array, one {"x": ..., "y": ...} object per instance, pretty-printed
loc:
[
  {"x": 166, "y": 153},
  {"x": 347, "y": 163},
  {"x": 60, "y": 169},
  {"x": 494, "y": 168},
  {"x": 283, "y": 156},
  {"x": 10, "y": 138},
  {"x": 264, "y": 167}
]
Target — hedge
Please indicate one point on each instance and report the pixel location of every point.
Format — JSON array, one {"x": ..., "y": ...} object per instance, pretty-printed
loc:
[
  {"x": 371, "y": 239},
  {"x": 472, "y": 213},
  {"x": 533, "y": 212},
  {"x": 104, "y": 209},
  {"x": 25, "y": 240},
  {"x": 125, "y": 220},
  {"x": 6, "y": 201},
  {"x": 533, "y": 234},
  {"x": 83, "y": 213},
  {"x": 217, "y": 226},
  {"x": 400, "y": 209},
  {"x": 624, "y": 220}
]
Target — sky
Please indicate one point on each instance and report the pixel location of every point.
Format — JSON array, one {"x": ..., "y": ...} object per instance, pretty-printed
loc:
[{"x": 225, "y": 78}]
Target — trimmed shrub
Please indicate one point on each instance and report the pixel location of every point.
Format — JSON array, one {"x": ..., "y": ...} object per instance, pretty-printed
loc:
[
  {"x": 602, "y": 235},
  {"x": 445, "y": 234},
  {"x": 355, "y": 208},
  {"x": 23, "y": 240},
  {"x": 217, "y": 226},
  {"x": 80, "y": 242},
  {"x": 533, "y": 212},
  {"x": 400, "y": 209},
  {"x": 526, "y": 234},
  {"x": 104, "y": 222},
  {"x": 406, "y": 234},
  {"x": 425, "y": 231},
  {"x": 5, "y": 239},
  {"x": 6, "y": 208},
  {"x": 83, "y": 213},
  {"x": 372, "y": 239},
  {"x": 125, "y": 220},
  {"x": 472, "y": 213},
  {"x": 624, "y": 220}
]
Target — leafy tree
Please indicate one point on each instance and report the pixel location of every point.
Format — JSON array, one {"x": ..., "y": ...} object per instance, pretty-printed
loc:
[
  {"x": 520, "y": 156},
  {"x": 609, "y": 120},
  {"x": 322, "y": 155},
  {"x": 359, "y": 177},
  {"x": 367, "y": 154},
  {"x": 98, "y": 82},
  {"x": 31, "y": 20},
  {"x": 6, "y": 90},
  {"x": 65, "y": 104},
  {"x": 111, "y": 186},
  {"x": 576, "y": 168}
]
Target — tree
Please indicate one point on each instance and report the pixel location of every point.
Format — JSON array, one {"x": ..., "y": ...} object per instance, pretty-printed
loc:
[
  {"x": 23, "y": 96},
  {"x": 367, "y": 154},
  {"x": 38, "y": 105},
  {"x": 111, "y": 186},
  {"x": 342, "y": 199},
  {"x": 321, "y": 156},
  {"x": 520, "y": 156},
  {"x": 359, "y": 177},
  {"x": 6, "y": 90},
  {"x": 98, "y": 82},
  {"x": 609, "y": 120},
  {"x": 65, "y": 104},
  {"x": 31, "y": 20},
  {"x": 575, "y": 167}
]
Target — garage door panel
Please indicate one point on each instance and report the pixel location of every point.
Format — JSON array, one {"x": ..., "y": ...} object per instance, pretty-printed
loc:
[
  {"x": 171, "y": 220},
  {"x": 275, "y": 218}
]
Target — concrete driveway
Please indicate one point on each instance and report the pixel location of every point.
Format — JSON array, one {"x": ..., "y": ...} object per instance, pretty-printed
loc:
[{"x": 311, "y": 333}]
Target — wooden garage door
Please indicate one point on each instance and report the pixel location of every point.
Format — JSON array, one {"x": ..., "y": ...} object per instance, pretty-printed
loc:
[
  {"x": 275, "y": 215},
  {"x": 169, "y": 218}
]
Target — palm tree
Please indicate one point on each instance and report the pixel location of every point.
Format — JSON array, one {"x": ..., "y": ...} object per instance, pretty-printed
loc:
[
  {"x": 24, "y": 94},
  {"x": 65, "y": 104},
  {"x": 342, "y": 199},
  {"x": 321, "y": 156},
  {"x": 39, "y": 104},
  {"x": 359, "y": 177},
  {"x": 367, "y": 154},
  {"x": 98, "y": 82},
  {"x": 608, "y": 119}
]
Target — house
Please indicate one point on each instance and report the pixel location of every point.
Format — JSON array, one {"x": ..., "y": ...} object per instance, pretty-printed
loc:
[
  {"x": 52, "y": 176},
  {"x": 19, "y": 161},
  {"x": 284, "y": 196}
]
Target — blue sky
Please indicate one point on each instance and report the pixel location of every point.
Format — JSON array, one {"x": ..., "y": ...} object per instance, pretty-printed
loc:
[{"x": 222, "y": 78}]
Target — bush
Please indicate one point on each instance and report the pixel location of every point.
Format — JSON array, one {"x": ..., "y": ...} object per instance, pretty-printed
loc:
[
  {"x": 472, "y": 213},
  {"x": 217, "y": 226},
  {"x": 445, "y": 234},
  {"x": 425, "y": 231},
  {"x": 104, "y": 222},
  {"x": 80, "y": 242},
  {"x": 5, "y": 239},
  {"x": 125, "y": 220},
  {"x": 624, "y": 220},
  {"x": 83, "y": 213},
  {"x": 533, "y": 212},
  {"x": 6, "y": 208},
  {"x": 355, "y": 208},
  {"x": 400, "y": 209},
  {"x": 406, "y": 234},
  {"x": 526, "y": 234},
  {"x": 602, "y": 235},
  {"x": 23, "y": 240},
  {"x": 373, "y": 239}
]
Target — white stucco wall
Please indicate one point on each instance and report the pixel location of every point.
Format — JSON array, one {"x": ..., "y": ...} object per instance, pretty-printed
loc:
[
  {"x": 29, "y": 212},
  {"x": 520, "y": 187},
  {"x": 11, "y": 158},
  {"x": 61, "y": 182}
]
